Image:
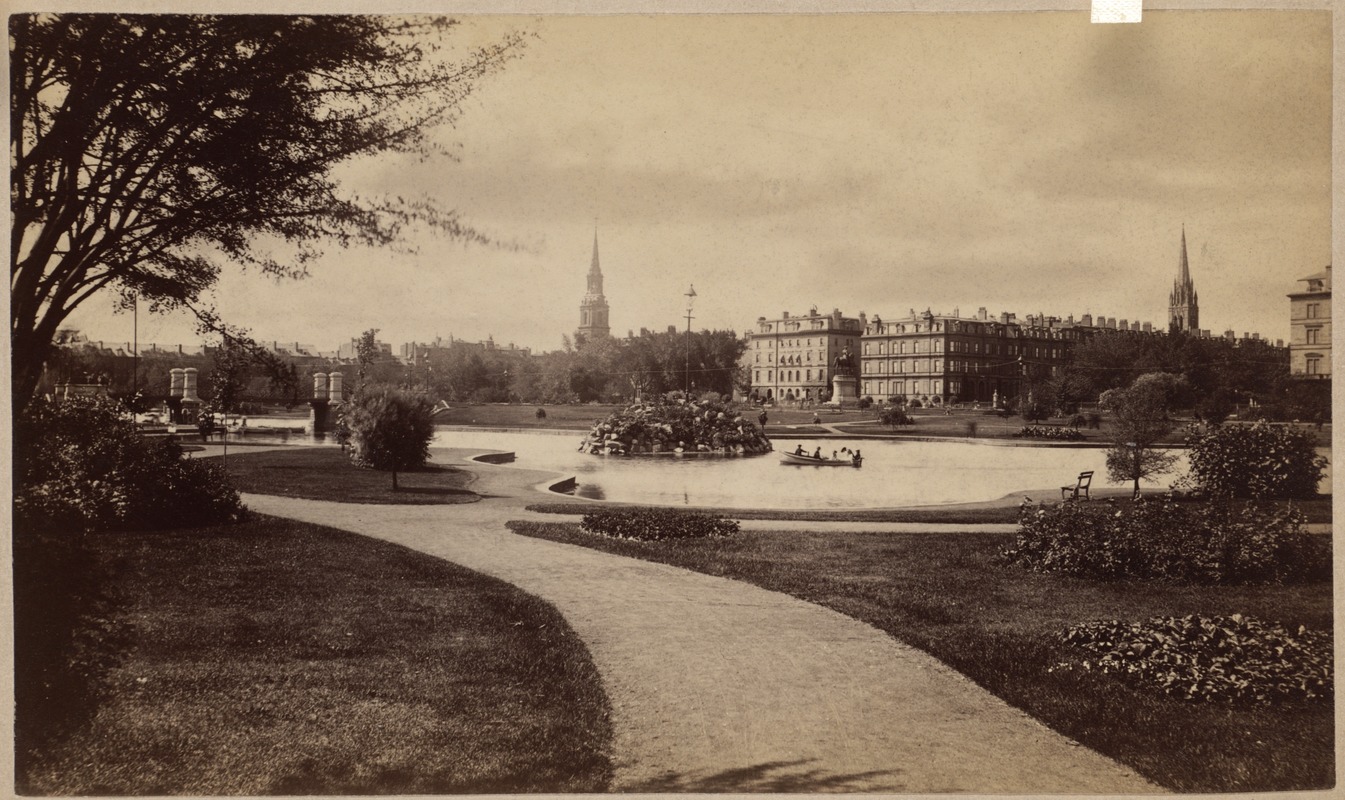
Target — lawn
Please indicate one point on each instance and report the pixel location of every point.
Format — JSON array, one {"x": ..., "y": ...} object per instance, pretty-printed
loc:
[
  {"x": 325, "y": 473},
  {"x": 275, "y": 657},
  {"x": 501, "y": 415},
  {"x": 1316, "y": 510},
  {"x": 790, "y": 421},
  {"x": 943, "y": 593}
]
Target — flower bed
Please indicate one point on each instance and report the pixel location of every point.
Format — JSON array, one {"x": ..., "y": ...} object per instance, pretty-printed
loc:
[
  {"x": 1232, "y": 659},
  {"x": 676, "y": 426},
  {"x": 657, "y": 524},
  {"x": 1049, "y": 432}
]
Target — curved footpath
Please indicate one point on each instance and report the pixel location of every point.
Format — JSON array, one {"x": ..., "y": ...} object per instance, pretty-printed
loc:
[{"x": 718, "y": 685}]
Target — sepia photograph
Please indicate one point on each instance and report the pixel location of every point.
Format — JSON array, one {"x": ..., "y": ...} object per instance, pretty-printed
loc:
[{"x": 598, "y": 398}]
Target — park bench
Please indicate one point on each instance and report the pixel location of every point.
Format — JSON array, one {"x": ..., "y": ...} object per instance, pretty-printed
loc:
[{"x": 1080, "y": 486}]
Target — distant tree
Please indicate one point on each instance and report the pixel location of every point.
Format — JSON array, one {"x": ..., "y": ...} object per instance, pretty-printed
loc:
[
  {"x": 1140, "y": 421},
  {"x": 390, "y": 428},
  {"x": 147, "y": 151}
]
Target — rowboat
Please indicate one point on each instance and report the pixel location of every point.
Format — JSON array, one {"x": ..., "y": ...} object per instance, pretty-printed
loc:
[{"x": 804, "y": 459}]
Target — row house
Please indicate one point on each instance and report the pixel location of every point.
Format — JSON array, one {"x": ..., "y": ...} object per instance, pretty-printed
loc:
[
  {"x": 946, "y": 358},
  {"x": 793, "y": 357}
]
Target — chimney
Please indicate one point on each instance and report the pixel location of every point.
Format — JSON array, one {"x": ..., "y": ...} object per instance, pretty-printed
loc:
[{"x": 982, "y": 314}]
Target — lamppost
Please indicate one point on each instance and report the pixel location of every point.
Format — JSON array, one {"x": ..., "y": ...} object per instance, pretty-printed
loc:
[{"x": 691, "y": 301}]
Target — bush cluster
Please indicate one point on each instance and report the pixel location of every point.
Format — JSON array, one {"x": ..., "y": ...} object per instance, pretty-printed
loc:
[
  {"x": 1048, "y": 432},
  {"x": 80, "y": 469},
  {"x": 80, "y": 465},
  {"x": 1161, "y": 539},
  {"x": 1232, "y": 659},
  {"x": 657, "y": 524},
  {"x": 1256, "y": 461}
]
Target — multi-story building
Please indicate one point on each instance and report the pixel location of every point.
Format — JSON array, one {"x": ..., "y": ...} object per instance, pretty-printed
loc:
[
  {"x": 793, "y": 357},
  {"x": 1310, "y": 327},
  {"x": 946, "y": 358},
  {"x": 416, "y": 353}
]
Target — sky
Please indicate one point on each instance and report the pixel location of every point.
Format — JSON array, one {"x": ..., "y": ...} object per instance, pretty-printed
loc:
[{"x": 1024, "y": 162}]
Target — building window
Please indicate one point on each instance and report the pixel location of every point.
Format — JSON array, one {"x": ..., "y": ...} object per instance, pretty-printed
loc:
[
  {"x": 938, "y": 346},
  {"x": 1312, "y": 335},
  {"x": 866, "y": 388},
  {"x": 1312, "y": 310},
  {"x": 810, "y": 374},
  {"x": 866, "y": 348},
  {"x": 1314, "y": 363}
]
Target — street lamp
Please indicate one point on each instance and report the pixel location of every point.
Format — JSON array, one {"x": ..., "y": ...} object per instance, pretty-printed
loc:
[{"x": 691, "y": 301}]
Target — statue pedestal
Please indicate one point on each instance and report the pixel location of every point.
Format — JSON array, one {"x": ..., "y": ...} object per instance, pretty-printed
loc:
[{"x": 844, "y": 389}]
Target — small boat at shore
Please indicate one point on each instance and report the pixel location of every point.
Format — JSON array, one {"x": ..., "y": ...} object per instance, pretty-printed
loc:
[{"x": 803, "y": 459}]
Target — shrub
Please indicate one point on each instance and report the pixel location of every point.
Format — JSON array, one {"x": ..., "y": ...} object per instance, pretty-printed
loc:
[
  {"x": 390, "y": 429},
  {"x": 971, "y": 427},
  {"x": 657, "y": 524},
  {"x": 1206, "y": 543},
  {"x": 81, "y": 465},
  {"x": 1048, "y": 432},
  {"x": 80, "y": 469},
  {"x": 541, "y": 413},
  {"x": 1256, "y": 461},
  {"x": 1232, "y": 659},
  {"x": 865, "y": 402},
  {"x": 894, "y": 416}
]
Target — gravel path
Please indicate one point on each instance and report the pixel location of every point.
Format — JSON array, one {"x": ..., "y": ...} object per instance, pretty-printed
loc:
[{"x": 721, "y": 686}]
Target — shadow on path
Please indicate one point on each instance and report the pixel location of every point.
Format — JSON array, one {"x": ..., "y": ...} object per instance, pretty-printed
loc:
[{"x": 779, "y": 777}]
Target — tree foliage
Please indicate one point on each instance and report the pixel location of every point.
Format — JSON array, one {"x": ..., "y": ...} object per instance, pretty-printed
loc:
[
  {"x": 1140, "y": 419},
  {"x": 390, "y": 429},
  {"x": 1258, "y": 461},
  {"x": 149, "y": 150}
]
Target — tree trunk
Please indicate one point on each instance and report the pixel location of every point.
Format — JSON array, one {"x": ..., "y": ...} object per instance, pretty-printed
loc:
[{"x": 394, "y": 480}]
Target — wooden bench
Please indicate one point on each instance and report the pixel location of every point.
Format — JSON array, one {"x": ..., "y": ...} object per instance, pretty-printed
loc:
[{"x": 1080, "y": 487}]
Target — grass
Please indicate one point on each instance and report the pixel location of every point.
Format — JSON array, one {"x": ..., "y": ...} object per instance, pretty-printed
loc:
[
  {"x": 275, "y": 657},
  {"x": 944, "y": 594},
  {"x": 951, "y": 515},
  {"x": 523, "y": 415},
  {"x": 1316, "y": 510},
  {"x": 325, "y": 473}
]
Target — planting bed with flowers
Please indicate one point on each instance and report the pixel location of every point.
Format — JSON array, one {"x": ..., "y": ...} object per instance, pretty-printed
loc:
[
  {"x": 657, "y": 524},
  {"x": 1049, "y": 432},
  {"x": 676, "y": 425},
  {"x": 1233, "y": 659}
]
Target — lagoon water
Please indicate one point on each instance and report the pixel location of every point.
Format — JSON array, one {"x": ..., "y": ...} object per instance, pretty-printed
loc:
[{"x": 895, "y": 473}]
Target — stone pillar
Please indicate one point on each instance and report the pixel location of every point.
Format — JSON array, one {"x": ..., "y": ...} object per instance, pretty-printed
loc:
[
  {"x": 191, "y": 403},
  {"x": 319, "y": 421},
  {"x": 177, "y": 380},
  {"x": 335, "y": 392}
]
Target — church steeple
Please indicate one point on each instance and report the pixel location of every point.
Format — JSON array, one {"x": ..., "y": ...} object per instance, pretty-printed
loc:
[
  {"x": 593, "y": 310},
  {"x": 1183, "y": 304}
]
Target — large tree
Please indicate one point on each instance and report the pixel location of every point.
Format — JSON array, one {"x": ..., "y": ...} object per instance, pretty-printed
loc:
[{"x": 150, "y": 150}]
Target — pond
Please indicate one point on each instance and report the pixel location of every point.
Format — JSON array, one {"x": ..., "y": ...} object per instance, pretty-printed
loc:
[{"x": 895, "y": 473}]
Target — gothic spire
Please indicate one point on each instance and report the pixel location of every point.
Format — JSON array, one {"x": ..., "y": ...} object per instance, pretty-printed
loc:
[
  {"x": 1183, "y": 276},
  {"x": 594, "y": 267}
]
